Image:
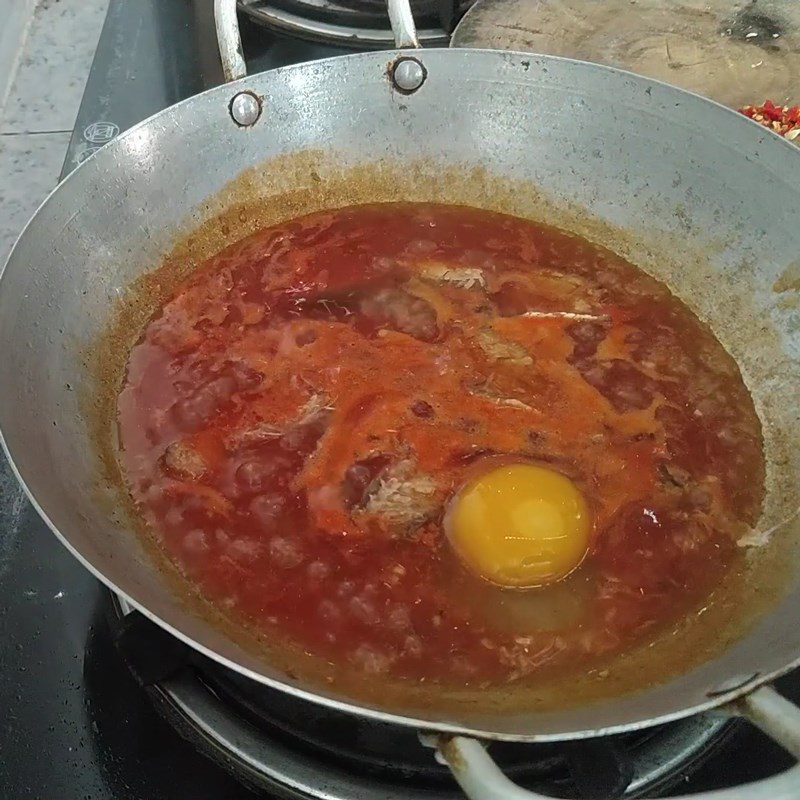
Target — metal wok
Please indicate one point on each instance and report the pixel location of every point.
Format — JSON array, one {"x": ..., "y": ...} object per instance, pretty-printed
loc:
[{"x": 697, "y": 195}]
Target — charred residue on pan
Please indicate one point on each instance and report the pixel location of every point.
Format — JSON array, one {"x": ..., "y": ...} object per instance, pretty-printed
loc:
[{"x": 304, "y": 182}]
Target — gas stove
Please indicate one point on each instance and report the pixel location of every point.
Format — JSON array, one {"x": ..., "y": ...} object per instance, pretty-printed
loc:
[{"x": 99, "y": 703}]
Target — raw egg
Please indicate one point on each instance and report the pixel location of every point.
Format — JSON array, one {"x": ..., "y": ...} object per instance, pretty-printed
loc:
[{"x": 520, "y": 525}]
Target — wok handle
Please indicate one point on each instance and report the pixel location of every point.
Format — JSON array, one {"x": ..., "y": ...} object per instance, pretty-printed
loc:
[
  {"x": 481, "y": 779},
  {"x": 229, "y": 40},
  {"x": 403, "y": 27}
]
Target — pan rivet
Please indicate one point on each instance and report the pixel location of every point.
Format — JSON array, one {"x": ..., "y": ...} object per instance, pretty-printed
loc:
[
  {"x": 245, "y": 109},
  {"x": 408, "y": 75}
]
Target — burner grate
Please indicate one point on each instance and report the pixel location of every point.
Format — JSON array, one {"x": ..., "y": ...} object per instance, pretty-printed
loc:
[
  {"x": 359, "y": 23},
  {"x": 299, "y": 749}
]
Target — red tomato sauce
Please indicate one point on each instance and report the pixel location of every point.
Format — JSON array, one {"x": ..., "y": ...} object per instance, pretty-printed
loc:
[{"x": 295, "y": 419}]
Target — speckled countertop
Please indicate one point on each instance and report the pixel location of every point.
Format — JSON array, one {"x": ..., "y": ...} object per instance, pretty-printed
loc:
[{"x": 55, "y": 52}]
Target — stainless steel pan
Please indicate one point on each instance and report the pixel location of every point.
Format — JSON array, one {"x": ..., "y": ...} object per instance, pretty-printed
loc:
[{"x": 711, "y": 201}]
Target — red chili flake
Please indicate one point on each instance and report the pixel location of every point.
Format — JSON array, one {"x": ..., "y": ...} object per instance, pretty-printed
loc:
[
  {"x": 772, "y": 111},
  {"x": 780, "y": 119}
]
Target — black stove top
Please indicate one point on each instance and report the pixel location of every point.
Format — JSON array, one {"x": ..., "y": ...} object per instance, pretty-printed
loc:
[{"x": 76, "y": 723}]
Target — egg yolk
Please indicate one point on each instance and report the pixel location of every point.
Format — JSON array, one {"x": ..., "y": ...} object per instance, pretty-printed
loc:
[{"x": 520, "y": 525}]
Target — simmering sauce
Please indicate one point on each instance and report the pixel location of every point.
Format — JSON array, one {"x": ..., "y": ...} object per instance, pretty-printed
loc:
[{"x": 298, "y": 418}]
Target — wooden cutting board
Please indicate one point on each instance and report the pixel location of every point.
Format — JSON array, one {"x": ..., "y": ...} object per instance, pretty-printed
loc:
[{"x": 737, "y": 52}]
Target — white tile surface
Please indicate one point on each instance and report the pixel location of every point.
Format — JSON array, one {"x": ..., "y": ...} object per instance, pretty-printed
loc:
[
  {"x": 52, "y": 71},
  {"x": 44, "y": 97},
  {"x": 29, "y": 168},
  {"x": 16, "y": 16}
]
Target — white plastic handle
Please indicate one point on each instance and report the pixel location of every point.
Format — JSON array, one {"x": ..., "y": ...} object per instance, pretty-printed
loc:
[
  {"x": 229, "y": 40},
  {"x": 481, "y": 778}
]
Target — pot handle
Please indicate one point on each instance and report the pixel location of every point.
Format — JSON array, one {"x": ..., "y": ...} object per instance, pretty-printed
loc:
[
  {"x": 481, "y": 779},
  {"x": 403, "y": 27},
  {"x": 229, "y": 40}
]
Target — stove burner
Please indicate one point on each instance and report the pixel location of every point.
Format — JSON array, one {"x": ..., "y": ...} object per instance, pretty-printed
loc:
[
  {"x": 297, "y": 749},
  {"x": 362, "y": 23}
]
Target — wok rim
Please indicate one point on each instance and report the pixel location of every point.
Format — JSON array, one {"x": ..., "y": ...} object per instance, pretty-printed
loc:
[{"x": 352, "y": 706}]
